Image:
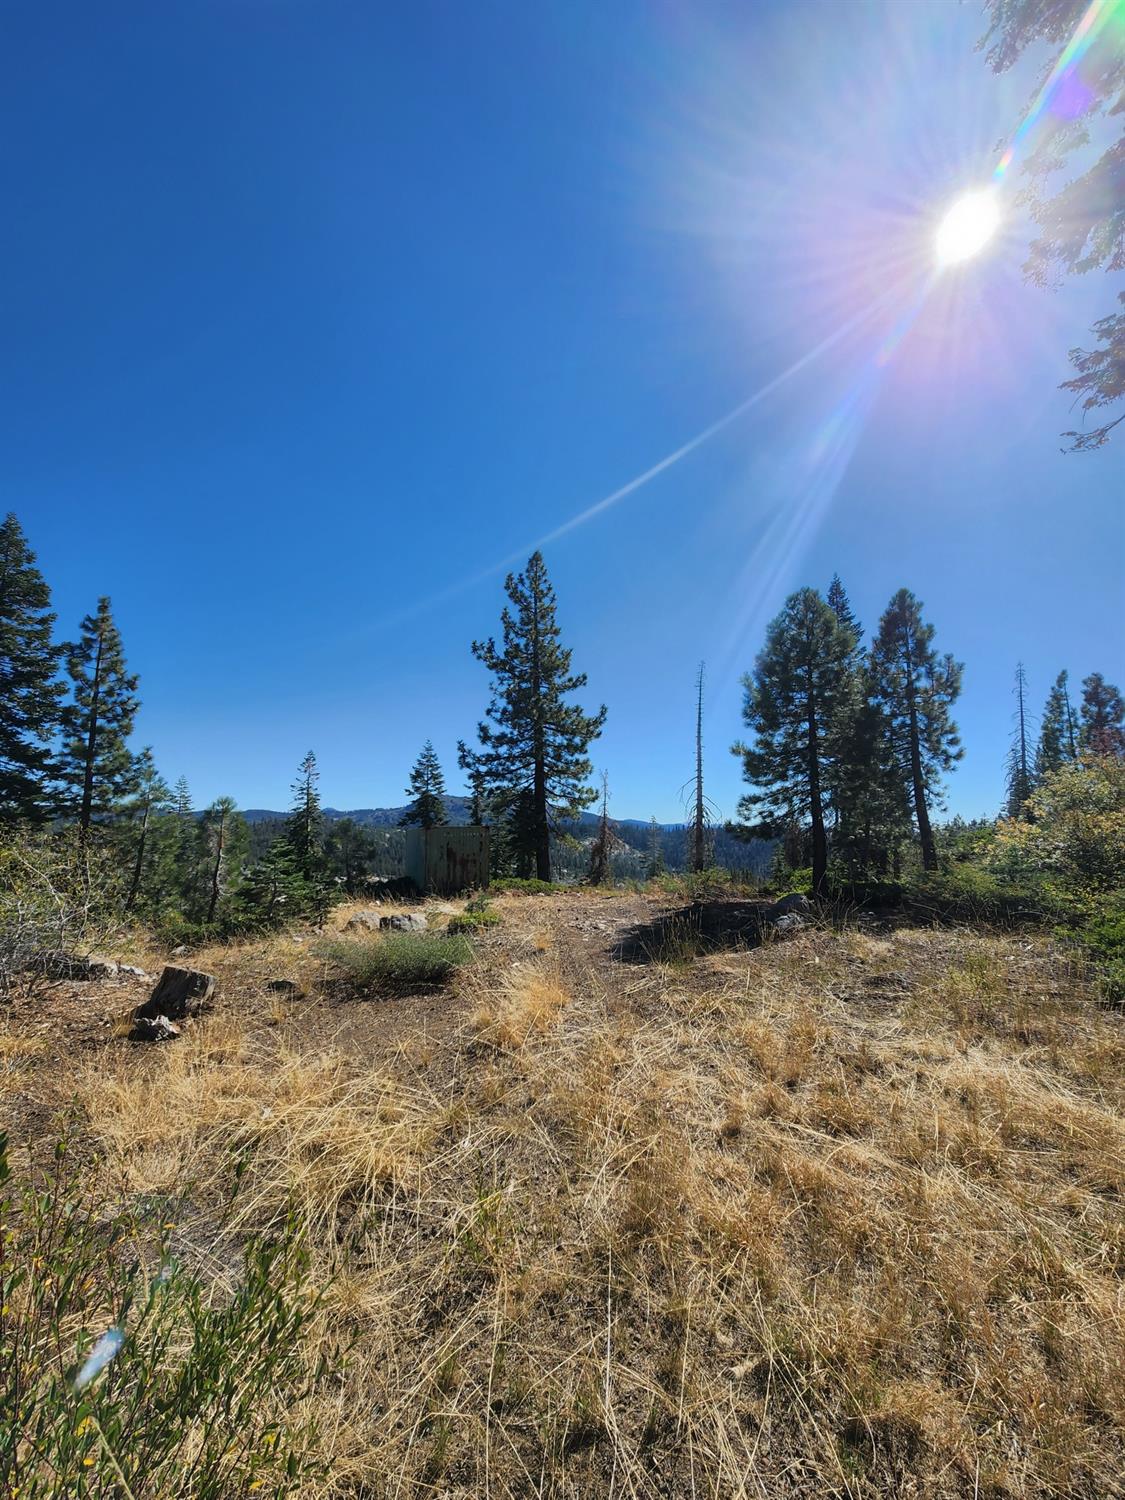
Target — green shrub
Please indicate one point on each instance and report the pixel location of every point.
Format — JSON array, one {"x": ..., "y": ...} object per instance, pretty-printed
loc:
[
  {"x": 399, "y": 961},
  {"x": 126, "y": 1374},
  {"x": 474, "y": 921},
  {"x": 966, "y": 893},
  {"x": 516, "y": 885}
]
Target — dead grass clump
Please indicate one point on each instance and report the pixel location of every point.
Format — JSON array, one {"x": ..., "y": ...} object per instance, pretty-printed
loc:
[{"x": 527, "y": 1001}]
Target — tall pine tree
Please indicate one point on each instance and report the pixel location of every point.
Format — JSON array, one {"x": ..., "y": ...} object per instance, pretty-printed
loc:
[
  {"x": 302, "y": 830},
  {"x": 426, "y": 791},
  {"x": 1058, "y": 730},
  {"x": 1021, "y": 782},
  {"x": 151, "y": 800},
  {"x": 792, "y": 703},
  {"x": 916, "y": 690},
  {"x": 533, "y": 753},
  {"x": 30, "y": 692},
  {"x": 96, "y": 767},
  {"x": 841, "y": 607},
  {"x": 1103, "y": 717}
]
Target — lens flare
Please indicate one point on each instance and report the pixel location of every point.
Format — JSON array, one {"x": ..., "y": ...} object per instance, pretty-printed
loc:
[{"x": 967, "y": 227}]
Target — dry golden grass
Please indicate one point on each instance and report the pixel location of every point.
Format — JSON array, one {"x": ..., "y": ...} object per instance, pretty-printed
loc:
[{"x": 841, "y": 1216}]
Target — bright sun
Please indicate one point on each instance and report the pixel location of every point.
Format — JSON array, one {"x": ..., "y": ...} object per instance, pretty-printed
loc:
[{"x": 967, "y": 227}]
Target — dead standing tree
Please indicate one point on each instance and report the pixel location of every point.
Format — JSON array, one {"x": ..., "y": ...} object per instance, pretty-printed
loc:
[{"x": 701, "y": 811}]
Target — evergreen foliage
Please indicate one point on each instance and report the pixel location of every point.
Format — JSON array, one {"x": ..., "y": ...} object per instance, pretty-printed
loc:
[
  {"x": 95, "y": 765},
  {"x": 916, "y": 689},
  {"x": 1103, "y": 717},
  {"x": 151, "y": 800},
  {"x": 841, "y": 607},
  {"x": 1058, "y": 731},
  {"x": 426, "y": 791},
  {"x": 304, "y": 824},
  {"x": 1080, "y": 225},
  {"x": 30, "y": 691},
  {"x": 533, "y": 752},
  {"x": 1021, "y": 782},
  {"x": 792, "y": 704}
]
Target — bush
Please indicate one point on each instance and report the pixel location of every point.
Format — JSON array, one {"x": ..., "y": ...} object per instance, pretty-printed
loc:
[
  {"x": 517, "y": 886},
  {"x": 400, "y": 961},
  {"x": 474, "y": 921},
  {"x": 58, "y": 901},
  {"x": 1075, "y": 833},
  {"x": 123, "y": 1373},
  {"x": 967, "y": 893}
]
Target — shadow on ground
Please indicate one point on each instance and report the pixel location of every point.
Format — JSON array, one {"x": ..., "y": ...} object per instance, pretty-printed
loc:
[{"x": 702, "y": 927}]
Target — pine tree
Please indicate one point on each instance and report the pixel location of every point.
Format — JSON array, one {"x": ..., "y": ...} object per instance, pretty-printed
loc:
[
  {"x": 1020, "y": 781},
  {"x": 30, "y": 692},
  {"x": 916, "y": 690},
  {"x": 96, "y": 767},
  {"x": 655, "y": 862},
  {"x": 478, "y": 804},
  {"x": 152, "y": 799},
  {"x": 225, "y": 835},
  {"x": 698, "y": 856},
  {"x": 601, "y": 846},
  {"x": 533, "y": 753},
  {"x": 840, "y": 605},
  {"x": 1103, "y": 717},
  {"x": 868, "y": 796},
  {"x": 304, "y": 823},
  {"x": 792, "y": 703},
  {"x": 427, "y": 791},
  {"x": 1079, "y": 224},
  {"x": 1058, "y": 732}
]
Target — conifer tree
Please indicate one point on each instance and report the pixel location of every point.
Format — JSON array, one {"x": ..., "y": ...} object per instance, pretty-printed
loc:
[
  {"x": 655, "y": 862},
  {"x": 1103, "y": 717},
  {"x": 916, "y": 690},
  {"x": 533, "y": 753},
  {"x": 841, "y": 607},
  {"x": 302, "y": 830},
  {"x": 478, "y": 805},
  {"x": 225, "y": 835},
  {"x": 30, "y": 692},
  {"x": 868, "y": 795},
  {"x": 601, "y": 846},
  {"x": 152, "y": 799},
  {"x": 427, "y": 792},
  {"x": 1020, "y": 781},
  {"x": 792, "y": 703},
  {"x": 96, "y": 767},
  {"x": 1058, "y": 731}
]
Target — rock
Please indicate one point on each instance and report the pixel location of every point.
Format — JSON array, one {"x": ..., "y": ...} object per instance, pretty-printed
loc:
[
  {"x": 154, "y": 1029},
  {"x": 411, "y": 921},
  {"x": 66, "y": 966},
  {"x": 133, "y": 970},
  {"x": 285, "y": 987},
  {"x": 178, "y": 993},
  {"x": 180, "y": 951},
  {"x": 364, "y": 921},
  {"x": 788, "y": 922},
  {"x": 793, "y": 903}
]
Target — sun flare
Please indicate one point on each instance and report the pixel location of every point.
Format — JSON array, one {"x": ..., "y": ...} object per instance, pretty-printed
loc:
[{"x": 967, "y": 227}]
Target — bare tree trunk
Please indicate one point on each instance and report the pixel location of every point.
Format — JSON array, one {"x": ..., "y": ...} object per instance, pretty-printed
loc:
[
  {"x": 216, "y": 868},
  {"x": 699, "y": 825}
]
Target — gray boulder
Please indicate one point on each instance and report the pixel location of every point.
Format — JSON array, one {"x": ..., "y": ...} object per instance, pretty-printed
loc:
[
  {"x": 364, "y": 921},
  {"x": 179, "y": 993},
  {"x": 288, "y": 987},
  {"x": 793, "y": 904},
  {"x": 789, "y": 921},
  {"x": 154, "y": 1029},
  {"x": 411, "y": 921}
]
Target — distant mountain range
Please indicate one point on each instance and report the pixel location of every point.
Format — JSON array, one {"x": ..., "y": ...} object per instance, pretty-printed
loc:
[{"x": 389, "y": 817}]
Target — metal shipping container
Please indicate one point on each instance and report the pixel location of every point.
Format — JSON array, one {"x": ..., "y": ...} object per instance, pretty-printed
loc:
[{"x": 444, "y": 861}]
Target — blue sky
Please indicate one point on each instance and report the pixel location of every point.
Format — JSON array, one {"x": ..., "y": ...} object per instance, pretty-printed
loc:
[{"x": 316, "y": 312}]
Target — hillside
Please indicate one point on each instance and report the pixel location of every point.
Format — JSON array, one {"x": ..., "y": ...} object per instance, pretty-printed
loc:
[{"x": 835, "y": 1215}]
